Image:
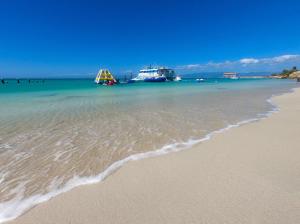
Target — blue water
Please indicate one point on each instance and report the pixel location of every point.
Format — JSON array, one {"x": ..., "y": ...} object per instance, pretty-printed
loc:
[
  {"x": 57, "y": 133},
  {"x": 87, "y": 84}
]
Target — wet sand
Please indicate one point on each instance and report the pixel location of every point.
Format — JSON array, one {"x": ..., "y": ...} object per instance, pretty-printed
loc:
[{"x": 249, "y": 174}]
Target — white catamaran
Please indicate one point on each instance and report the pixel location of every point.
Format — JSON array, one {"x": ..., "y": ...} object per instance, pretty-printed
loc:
[
  {"x": 231, "y": 75},
  {"x": 155, "y": 75}
]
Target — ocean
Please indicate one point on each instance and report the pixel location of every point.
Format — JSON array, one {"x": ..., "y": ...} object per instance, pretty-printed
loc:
[{"x": 59, "y": 134}]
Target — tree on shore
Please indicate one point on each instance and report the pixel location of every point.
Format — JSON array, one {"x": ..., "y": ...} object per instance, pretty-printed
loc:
[{"x": 286, "y": 72}]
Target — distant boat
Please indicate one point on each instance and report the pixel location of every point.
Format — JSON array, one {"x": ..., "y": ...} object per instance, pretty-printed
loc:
[
  {"x": 155, "y": 75},
  {"x": 231, "y": 75},
  {"x": 130, "y": 81},
  {"x": 178, "y": 78},
  {"x": 126, "y": 81},
  {"x": 200, "y": 80}
]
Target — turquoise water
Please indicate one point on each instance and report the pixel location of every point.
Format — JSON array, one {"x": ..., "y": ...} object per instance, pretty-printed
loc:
[
  {"x": 87, "y": 84},
  {"x": 56, "y": 134}
]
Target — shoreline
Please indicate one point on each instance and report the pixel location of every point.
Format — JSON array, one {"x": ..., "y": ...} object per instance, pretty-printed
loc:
[{"x": 62, "y": 199}]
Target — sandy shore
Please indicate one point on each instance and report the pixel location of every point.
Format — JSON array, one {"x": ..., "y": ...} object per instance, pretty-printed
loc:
[{"x": 249, "y": 174}]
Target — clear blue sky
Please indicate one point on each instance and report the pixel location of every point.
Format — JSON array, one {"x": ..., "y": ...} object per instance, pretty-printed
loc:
[{"x": 69, "y": 38}]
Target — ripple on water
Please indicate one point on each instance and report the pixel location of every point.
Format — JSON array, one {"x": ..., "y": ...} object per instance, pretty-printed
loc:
[{"x": 46, "y": 147}]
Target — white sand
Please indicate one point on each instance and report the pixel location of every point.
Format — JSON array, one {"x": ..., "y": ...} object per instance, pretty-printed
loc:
[{"x": 249, "y": 174}]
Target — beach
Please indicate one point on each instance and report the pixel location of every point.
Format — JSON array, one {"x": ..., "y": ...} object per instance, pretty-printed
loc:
[{"x": 247, "y": 174}]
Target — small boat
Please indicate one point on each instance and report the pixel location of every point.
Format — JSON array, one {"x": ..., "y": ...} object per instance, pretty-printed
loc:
[
  {"x": 200, "y": 80},
  {"x": 231, "y": 75},
  {"x": 177, "y": 78},
  {"x": 130, "y": 81},
  {"x": 127, "y": 81}
]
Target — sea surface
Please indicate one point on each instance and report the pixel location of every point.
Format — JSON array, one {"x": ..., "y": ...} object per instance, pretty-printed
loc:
[{"x": 58, "y": 134}]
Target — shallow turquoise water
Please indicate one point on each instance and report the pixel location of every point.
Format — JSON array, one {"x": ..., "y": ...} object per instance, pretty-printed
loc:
[
  {"x": 87, "y": 84},
  {"x": 56, "y": 131}
]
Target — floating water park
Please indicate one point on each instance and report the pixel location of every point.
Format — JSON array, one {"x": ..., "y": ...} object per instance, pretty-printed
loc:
[{"x": 104, "y": 77}]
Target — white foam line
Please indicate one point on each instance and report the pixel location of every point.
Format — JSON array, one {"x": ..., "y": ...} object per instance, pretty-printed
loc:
[{"x": 17, "y": 206}]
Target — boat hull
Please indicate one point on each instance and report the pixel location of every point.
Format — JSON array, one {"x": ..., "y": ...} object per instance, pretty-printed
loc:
[{"x": 155, "y": 79}]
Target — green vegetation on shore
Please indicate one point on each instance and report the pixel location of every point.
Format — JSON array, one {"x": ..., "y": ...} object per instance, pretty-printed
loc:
[{"x": 293, "y": 73}]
